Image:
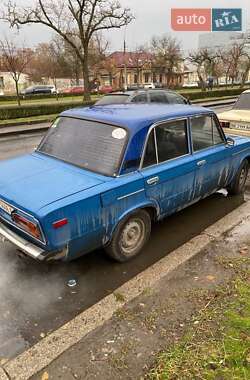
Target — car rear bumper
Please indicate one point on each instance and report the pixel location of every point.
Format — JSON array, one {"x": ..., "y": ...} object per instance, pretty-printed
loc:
[
  {"x": 25, "y": 246},
  {"x": 30, "y": 249}
]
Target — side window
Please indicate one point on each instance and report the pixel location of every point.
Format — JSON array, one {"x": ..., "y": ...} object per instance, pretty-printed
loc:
[
  {"x": 172, "y": 140},
  {"x": 175, "y": 99},
  {"x": 141, "y": 98},
  {"x": 205, "y": 132},
  {"x": 150, "y": 153},
  {"x": 158, "y": 97}
]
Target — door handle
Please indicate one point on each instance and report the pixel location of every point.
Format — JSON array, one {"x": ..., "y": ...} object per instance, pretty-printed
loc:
[
  {"x": 153, "y": 181},
  {"x": 201, "y": 163}
]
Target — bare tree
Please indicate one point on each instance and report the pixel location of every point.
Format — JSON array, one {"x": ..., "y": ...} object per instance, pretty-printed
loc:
[
  {"x": 14, "y": 60},
  {"x": 76, "y": 21},
  {"x": 142, "y": 59},
  {"x": 236, "y": 53},
  {"x": 245, "y": 67},
  {"x": 198, "y": 58},
  {"x": 48, "y": 63},
  {"x": 167, "y": 55}
]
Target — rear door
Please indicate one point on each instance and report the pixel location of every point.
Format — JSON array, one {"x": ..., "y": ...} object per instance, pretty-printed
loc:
[
  {"x": 211, "y": 155},
  {"x": 168, "y": 167}
]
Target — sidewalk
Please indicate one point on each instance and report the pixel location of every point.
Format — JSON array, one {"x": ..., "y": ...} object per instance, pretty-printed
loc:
[{"x": 125, "y": 347}]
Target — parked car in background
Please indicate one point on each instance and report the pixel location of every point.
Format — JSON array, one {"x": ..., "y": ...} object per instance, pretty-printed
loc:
[
  {"x": 101, "y": 176},
  {"x": 143, "y": 96},
  {"x": 39, "y": 90},
  {"x": 148, "y": 85},
  {"x": 75, "y": 90},
  {"x": 190, "y": 85},
  {"x": 239, "y": 116}
]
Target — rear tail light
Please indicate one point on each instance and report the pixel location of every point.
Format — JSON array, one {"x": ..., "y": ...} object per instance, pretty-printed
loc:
[{"x": 25, "y": 224}]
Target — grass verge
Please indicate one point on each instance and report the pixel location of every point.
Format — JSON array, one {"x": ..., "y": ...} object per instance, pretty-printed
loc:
[
  {"x": 28, "y": 120},
  {"x": 217, "y": 346}
]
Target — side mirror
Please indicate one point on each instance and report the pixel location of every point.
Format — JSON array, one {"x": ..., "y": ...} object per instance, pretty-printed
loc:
[{"x": 230, "y": 141}]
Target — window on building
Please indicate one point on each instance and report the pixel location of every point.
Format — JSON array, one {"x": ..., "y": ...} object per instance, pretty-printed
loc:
[{"x": 146, "y": 77}]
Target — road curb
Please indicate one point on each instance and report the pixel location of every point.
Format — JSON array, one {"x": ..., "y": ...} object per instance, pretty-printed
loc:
[{"x": 46, "y": 351}]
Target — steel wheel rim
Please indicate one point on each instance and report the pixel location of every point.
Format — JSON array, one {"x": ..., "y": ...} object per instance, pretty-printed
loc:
[
  {"x": 132, "y": 237},
  {"x": 243, "y": 176}
]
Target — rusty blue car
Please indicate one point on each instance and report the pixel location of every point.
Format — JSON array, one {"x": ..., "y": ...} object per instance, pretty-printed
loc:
[{"x": 103, "y": 174}]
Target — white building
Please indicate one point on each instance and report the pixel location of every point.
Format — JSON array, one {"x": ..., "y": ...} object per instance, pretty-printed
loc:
[
  {"x": 7, "y": 84},
  {"x": 222, "y": 40}
]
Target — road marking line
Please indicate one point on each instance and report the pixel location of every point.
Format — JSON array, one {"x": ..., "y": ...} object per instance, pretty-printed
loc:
[{"x": 43, "y": 353}]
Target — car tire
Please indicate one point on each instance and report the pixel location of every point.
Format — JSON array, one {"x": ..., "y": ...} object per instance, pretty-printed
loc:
[
  {"x": 239, "y": 182},
  {"x": 130, "y": 236}
]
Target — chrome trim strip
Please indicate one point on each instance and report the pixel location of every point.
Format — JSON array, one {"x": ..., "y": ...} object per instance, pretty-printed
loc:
[
  {"x": 156, "y": 147},
  {"x": 129, "y": 195},
  {"x": 25, "y": 246},
  {"x": 241, "y": 151}
]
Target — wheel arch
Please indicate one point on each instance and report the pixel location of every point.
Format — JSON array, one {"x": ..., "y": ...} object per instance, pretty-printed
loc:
[{"x": 152, "y": 208}]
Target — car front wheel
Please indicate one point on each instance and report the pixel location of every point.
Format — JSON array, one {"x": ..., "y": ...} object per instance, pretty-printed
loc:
[
  {"x": 239, "y": 182},
  {"x": 130, "y": 237}
]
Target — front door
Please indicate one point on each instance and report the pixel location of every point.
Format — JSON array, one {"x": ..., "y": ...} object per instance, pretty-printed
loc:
[{"x": 168, "y": 167}]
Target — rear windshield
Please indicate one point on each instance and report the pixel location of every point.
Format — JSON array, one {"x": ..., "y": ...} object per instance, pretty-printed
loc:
[
  {"x": 91, "y": 145},
  {"x": 243, "y": 103},
  {"x": 112, "y": 99}
]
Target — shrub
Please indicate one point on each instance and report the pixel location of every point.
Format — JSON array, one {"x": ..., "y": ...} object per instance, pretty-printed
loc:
[
  {"x": 211, "y": 94},
  {"x": 37, "y": 110}
]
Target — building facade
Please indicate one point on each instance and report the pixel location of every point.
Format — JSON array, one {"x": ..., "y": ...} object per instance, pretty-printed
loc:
[{"x": 134, "y": 69}]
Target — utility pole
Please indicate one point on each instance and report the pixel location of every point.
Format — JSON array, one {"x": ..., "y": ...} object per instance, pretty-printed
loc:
[{"x": 125, "y": 66}]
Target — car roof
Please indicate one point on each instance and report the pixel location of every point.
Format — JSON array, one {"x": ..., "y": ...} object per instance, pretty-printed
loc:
[
  {"x": 135, "y": 116},
  {"x": 136, "y": 91}
]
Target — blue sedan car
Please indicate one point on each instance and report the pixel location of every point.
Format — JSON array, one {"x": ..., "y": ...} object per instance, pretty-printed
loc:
[{"x": 102, "y": 174}]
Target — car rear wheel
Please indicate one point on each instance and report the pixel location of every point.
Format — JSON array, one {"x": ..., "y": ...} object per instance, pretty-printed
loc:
[
  {"x": 239, "y": 182},
  {"x": 130, "y": 237}
]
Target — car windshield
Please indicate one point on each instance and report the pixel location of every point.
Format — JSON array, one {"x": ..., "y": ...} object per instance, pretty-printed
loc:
[
  {"x": 94, "y": 146},
  {"x": 243, "y": 103},
  {"x": 112, "y": 99}
]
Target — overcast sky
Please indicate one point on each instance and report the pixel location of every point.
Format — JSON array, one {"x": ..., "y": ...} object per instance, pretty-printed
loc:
[{"x": 152, "y": 18}]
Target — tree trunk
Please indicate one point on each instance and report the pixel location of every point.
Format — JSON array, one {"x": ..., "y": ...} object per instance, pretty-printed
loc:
[
  {"x": 244, "y": 76},
  {"x": 17, "y": 93},
  {"x": 85, "y": 67},
  {"x": 55, "y": 84}
]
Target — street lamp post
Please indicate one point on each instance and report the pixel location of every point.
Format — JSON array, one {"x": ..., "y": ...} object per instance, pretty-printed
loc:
[{"x": 125, "y": 67}]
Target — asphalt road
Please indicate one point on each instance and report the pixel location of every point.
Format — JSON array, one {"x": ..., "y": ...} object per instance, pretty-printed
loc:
[{"x": 35, "y": 297}]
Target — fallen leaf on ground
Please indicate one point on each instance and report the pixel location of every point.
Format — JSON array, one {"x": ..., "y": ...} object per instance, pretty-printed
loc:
[
  {"x": 210, "y": 278},
  {"x": 45, "y": 376}
]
